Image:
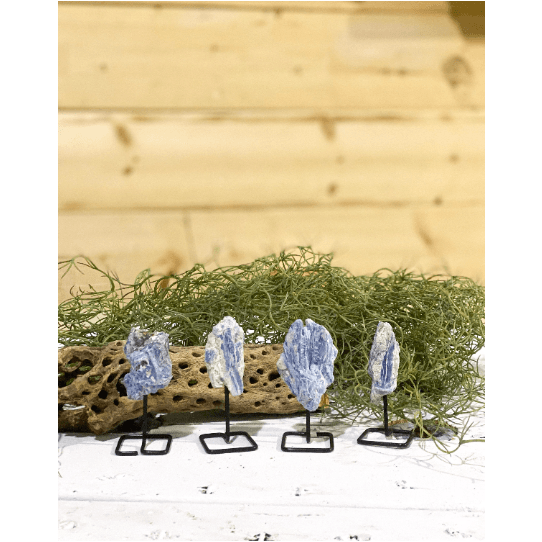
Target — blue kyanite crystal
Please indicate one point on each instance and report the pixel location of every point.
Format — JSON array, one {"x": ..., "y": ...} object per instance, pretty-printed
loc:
[
  {"x": 383, "y": 362},
  {"x": 306, "y": 364},
  {"x": 151, "y": 366},
  {"x": 224, "y": 355}
]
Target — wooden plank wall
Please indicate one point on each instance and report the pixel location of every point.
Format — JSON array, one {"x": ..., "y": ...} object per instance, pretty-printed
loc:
[{"x": 218, "y": 132}]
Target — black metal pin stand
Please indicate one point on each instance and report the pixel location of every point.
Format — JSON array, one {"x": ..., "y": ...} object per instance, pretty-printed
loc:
[
  {"x": 228, "y": 434},
  {"x": 144, "y": 436},
  {"x": 307, "y": 435},
  {"x": 388, "y": 432}
]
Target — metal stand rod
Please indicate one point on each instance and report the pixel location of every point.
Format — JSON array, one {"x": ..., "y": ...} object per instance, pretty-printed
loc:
[
  {"x": 308, "y": 425},
  {"x": 227, "y": 408},
  {"x": 144, "y": 418},
  {"x": 387, "y": 432}
]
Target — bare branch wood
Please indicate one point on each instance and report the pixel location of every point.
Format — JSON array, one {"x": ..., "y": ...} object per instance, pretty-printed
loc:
[{"x": 103, "y": 403}]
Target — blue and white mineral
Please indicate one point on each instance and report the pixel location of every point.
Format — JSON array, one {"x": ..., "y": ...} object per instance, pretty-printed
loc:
[
  {"x": 306, "y": 364},
  {"x": 150, "y": 370},
  {"x": 224, "y": 355},
  {"x": 383, "y": 362}
]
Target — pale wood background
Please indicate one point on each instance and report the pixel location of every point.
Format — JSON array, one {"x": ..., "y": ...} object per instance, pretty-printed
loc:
[{"x": 218, "y": 132}]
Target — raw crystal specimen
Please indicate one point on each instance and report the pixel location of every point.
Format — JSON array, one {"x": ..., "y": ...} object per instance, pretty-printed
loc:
[
  {"x": 224, "y": 355},
  {"x": 151, "y": 366},
  {"x": 383, "y": 362},
  {"x": 306, "y": 364}
]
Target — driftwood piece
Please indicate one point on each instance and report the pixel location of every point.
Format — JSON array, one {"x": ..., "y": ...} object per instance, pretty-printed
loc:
[{"x": 90, "y": 378}]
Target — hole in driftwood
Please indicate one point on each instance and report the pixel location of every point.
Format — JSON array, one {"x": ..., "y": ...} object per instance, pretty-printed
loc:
[
  {"x": 72, "y": 364},
  {"x": 121, "y": 389},
  {"x": 84, "y": 368}
]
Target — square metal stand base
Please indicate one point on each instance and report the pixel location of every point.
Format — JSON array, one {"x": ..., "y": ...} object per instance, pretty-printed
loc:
[
  {"x": 306, "y": 435},
  {"x": 144, "y": 437},
  {"x": 386, "y": 431},
  {"x": 406, "y": 444},
  {"x": 228, "y": 434},
  {"x": 226, "y": 437},
  {"x": 285, "y": 448},
  {"x": 168, "y": 438}
]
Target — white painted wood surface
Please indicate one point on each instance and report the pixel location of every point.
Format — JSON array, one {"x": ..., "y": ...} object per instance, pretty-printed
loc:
[{"x": 353, "y": 493}]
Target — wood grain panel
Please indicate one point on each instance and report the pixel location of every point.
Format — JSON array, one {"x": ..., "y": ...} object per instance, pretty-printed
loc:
[
  {"x": 371, "y": 7},
  {"x": 366, "y": 7},
  {"x": 123, "y": 243},
  {"x": 424, "y": 238},
  {"x": 195, "y": 161},
  {"x": 190, "y": 57}
]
